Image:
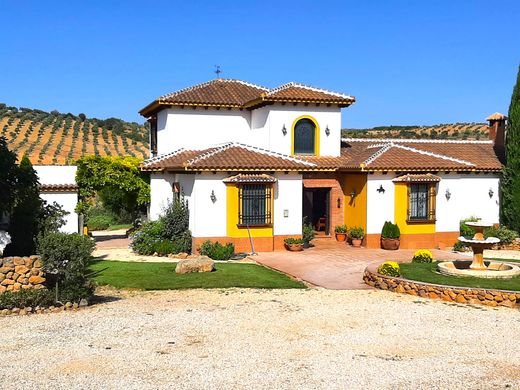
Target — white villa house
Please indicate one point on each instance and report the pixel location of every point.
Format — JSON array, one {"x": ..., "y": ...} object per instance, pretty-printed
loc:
[{"x": 253, "y": 161}]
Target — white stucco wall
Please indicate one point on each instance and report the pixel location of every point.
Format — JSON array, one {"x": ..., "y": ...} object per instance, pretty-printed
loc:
[
  {"x": 279, "y": 116},
  {"x": 209, "y": 219},
  {"x": 262, "y": 127},
  {"x": 380, "y": 205},
  {"x": 56, "y": 174},
  {"x": 288, "y": 197},
  {"x": 161, "y": 192},
  {"x": 469, "y": 197},
  {"x": 60, "y": 174},
  {"x": 200, "y": 128},
  {"x": 68, "y": 201}
]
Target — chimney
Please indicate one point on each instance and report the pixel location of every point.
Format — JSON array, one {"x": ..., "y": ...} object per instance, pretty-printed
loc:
[{"x": 497, "y": 131}]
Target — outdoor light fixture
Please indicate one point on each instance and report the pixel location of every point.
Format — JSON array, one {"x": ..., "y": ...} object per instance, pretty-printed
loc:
[
  {"x": 327, "y": 130},
  {"x": 490, "y": 193},
  {"x": 381, "y": 190},
  {"x": 352, "y": 194},
  {"x": 213, "y": 197},
  {"x": 284, "y": 130},
  {"x": 448, "y": 194}
]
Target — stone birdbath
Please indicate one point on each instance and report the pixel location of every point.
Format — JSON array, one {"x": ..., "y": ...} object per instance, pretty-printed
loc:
[
  {"x": 478, "y": 268},
  {"x": 478, "y": 243}
]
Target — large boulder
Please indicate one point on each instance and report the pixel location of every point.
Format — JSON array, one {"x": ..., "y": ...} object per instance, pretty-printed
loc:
[{"x": 195, "y": 264}]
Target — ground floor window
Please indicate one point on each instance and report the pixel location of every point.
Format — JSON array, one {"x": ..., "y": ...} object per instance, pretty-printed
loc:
[
  {"x": 421, "y": 202},
  {"x": 255, "y": 205}
]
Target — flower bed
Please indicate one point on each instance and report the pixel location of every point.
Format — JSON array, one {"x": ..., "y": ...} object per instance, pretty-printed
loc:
[{"x": 489, "y": 297}]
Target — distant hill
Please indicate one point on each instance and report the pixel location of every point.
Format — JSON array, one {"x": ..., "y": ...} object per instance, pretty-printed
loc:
[
  {"x": 55, "y": 138},
  {"x": 463, "y": 131}
]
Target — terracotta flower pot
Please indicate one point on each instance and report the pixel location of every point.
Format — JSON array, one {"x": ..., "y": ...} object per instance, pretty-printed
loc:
[
  {"x": 356, "y": 242},
  {"x": 294, "y": 247},
  {"x": 390, "y": 244},
  {"x": 341, "y": 236}
]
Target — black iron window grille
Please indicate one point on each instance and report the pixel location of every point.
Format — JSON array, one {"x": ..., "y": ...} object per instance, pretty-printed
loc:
[
  {"x": 421, "y": 202},
  {"x": 255, "y": 205}
]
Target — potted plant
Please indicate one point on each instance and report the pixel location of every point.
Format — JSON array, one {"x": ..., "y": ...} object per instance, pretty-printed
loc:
[
  {"x": 340, "y": 232},
  {"x": 390, "y": 236},
  {"x": 293, "y": 244},
  {"x": 308, "y": 234},
  {"x": 356, "y": 236}
]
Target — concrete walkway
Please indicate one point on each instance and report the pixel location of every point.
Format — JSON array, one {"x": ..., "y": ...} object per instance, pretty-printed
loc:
[{"x": 336, "y": 265}]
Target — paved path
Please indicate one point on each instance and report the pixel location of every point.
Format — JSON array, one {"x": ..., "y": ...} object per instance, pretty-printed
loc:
[{"x": 336, "y": 265}]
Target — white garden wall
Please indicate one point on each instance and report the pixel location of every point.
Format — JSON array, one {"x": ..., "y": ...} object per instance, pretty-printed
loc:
[
  {"x": 56, "y": 174},
  {"x": 68, "y": 201}
]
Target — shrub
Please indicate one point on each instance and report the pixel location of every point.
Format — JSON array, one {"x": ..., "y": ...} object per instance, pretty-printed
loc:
[
  {"x": 163, "y": 247},
  {"x": 293, "y": 241},
  {"x": 505, "y": 235},
  {"x": 389, "y": 268},
  {"x": 100, "y": 222},
  {"x": 422, "y": 256},
  {"x": 308, "y": 232},
  {"x": 176, "y": 219},
  {"x": 390, "y": 230},
  {"x": 459, "y": 247},
  {"x": 356, "y": 232},
  {"x": 465, "y": 230},
  {"x": 340, "y": 228},
  {"x": 217, "y": 251},
  {"x": 145, "y": 239},
  {"x": 26, "y": 298},
  {"x": 66, "y": 258}
]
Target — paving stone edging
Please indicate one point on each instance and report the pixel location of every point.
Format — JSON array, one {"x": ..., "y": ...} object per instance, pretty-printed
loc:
[{"x": 481, "y": 296}]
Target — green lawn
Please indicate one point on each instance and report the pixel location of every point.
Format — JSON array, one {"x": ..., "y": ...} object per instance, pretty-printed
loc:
[
  {"x": 125, "y": 226},
  {"x": 162, "y": 276},
  {"x": 427, "y": 272}
]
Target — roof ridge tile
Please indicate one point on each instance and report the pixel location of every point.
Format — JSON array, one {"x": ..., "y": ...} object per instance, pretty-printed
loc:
[{"x": 300, "y": 85}]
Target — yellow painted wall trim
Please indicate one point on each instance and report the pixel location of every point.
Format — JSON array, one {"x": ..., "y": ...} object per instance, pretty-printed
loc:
[
  {"x": 401, "y": 213},
  {"x": 316, "y": 134},
  {"x": 355, "y": 210},
  {"x": 232, "y": 228}
]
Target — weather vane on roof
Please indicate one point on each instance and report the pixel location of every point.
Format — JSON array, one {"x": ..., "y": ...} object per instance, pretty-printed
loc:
[{"x": 218, "y": 71}]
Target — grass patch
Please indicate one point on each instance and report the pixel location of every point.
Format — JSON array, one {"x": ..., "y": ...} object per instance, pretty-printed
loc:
[
  {"x": 125, "y": 226},
  {"x": 162, "y": 276},
  {"x": 427, "y": 272}
]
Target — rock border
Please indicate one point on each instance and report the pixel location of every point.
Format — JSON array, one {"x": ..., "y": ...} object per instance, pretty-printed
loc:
[
  {"x": 69, "y": 306},
  {"x": 470, "y": 295}
]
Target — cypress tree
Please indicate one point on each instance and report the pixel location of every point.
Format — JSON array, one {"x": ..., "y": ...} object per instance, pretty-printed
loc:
[
  {"x": 510, "y": 199},
  {"x": 23, "y": 226},
  {"x": 8, "y": 178}
]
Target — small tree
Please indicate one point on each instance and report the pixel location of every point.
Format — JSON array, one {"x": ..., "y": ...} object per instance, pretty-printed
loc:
[
  {"x": 8, "y": 178},
  {"x": 23, "y": 225},
  {"x": 510, "y": 198}
]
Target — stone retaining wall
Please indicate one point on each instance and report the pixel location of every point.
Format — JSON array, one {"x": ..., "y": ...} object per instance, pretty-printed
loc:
[
  {"x": 479, "y": 296},
  {"x": 21, "y": 272}
]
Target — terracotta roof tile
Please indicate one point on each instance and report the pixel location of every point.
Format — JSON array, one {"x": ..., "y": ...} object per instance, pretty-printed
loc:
[
  {"x": 421, "y": 178},
  {"x": 230, "y": 156},
  {"x": 240, "y": 94},
  {"x": 250, "y": 178},
  {"x": 58, "y": 187},
  {"x": 496, "y": 117}
]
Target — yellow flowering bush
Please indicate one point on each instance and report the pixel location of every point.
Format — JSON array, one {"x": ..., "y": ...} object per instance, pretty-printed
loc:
[
  {"x": 422, "y": 256},
  {"x": 389, "y": 268}
]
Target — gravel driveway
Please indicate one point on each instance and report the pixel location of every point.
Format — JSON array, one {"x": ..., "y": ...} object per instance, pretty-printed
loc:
[{"x": 242, "y": 339}]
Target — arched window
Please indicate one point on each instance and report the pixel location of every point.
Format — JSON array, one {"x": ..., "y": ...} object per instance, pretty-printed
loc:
[{"x": 305, "y": 137}]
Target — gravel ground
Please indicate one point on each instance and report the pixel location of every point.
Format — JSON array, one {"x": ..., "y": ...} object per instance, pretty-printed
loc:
[{"x": 279, "y": 339}]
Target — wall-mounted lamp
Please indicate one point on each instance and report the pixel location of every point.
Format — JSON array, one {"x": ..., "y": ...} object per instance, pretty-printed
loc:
[
  {"x": 352, "y": 194},
  {"x": 327, "y": 130},
  {"x": 339, "y": 203},
  {"x": 213, "y": 197},
  {"x": 284, "y": 130},
  {"x": 381, "y": 190},
  {"x": 490, "y": 193},
  {"x": 447, "y": 194}
]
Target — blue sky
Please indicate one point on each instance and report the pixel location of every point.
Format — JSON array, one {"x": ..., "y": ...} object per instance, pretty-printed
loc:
[{"x": 407, "y": 62}]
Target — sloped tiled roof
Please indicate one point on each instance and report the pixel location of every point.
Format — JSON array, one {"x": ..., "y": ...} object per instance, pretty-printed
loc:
[
  {"x": 229, "y": 93},
  {"x": 250, "y": 178},
  {"x": 58, "y": 187},
  {"x": 496, "y": 117},
  {"x": 402, "y": 154},
  {"x": 420, "y": 178},
  {"x": 226, "y": 157}
]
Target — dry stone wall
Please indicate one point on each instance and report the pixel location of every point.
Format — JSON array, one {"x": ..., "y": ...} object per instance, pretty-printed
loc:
[
  {"x": 20, "y": 273},
  {"x": 479, "y": 296}
]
